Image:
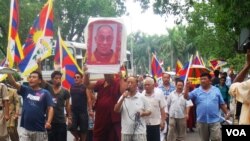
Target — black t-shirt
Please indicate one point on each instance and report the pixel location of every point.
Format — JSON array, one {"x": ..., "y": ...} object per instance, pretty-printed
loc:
[
  {"x": 78, "y": 98},
  {"x": 59, "y": 100}
]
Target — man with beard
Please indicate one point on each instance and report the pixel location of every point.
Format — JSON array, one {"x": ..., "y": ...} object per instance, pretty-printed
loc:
[{"x": 167, "y": 88}]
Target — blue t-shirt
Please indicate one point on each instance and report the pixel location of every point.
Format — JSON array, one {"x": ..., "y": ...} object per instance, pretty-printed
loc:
[
  {"x": 207, "y": 104},
  {"x": 35, "y": 103}
]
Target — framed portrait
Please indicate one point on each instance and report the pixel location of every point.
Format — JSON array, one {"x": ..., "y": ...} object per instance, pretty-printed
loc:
[{"x": 104, "y": 42}]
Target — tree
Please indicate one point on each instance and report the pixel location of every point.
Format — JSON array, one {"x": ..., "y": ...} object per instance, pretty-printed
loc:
[
  {"x": 213, "y": 26},
  {"x": 71, "y": 16},
  {"x": 26, "y": 19},
  {"x": 166, "y": 47}
]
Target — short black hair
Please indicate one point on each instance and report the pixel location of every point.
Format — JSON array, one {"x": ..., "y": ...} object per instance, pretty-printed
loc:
[
  {"x": 225, "y": 74},
  {"x": 54, "y": 73},
  {"x": 205, "y": 74},
  {"x": 77, "y": 72},
  {"x": 40, "y": 76},
  {"x": 179, "y": 80},
  {"x": 216, "y": 73}
]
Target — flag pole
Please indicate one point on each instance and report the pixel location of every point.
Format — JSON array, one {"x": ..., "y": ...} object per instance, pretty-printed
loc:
[
  {"x": 60, "y": 48},
  {"x": 47, "y": 15},
  {"x": 189, "y": 65}
]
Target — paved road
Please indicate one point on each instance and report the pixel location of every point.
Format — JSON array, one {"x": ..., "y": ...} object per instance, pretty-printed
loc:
[{"x": 191, "y": 136}]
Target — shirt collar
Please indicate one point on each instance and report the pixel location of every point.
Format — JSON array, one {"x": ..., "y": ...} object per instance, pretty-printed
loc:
[{"x": 135, "y": 96}]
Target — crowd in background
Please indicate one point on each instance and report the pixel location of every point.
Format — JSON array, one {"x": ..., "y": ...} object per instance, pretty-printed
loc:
[{"x": 116, "y": 108}]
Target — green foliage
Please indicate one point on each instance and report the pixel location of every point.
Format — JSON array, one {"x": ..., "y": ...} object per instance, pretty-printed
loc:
[
  {"x": 70, "y": 15},
  {"x": 167, "y": 48},
  {"x": 213, "y": 26}
]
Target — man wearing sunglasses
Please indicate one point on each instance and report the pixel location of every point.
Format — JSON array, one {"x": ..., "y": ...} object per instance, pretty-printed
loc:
[{"x": 80, "y": 101}]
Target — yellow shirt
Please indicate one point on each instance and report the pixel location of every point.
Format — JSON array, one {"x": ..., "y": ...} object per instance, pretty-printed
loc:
[{"x": 241, "y": 91}]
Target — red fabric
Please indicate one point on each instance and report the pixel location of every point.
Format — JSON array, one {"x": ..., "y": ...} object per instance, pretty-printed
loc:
[
  {"x": 192, "y": 113},
  {"x": 106, "y": 119},
  {"x": 191, "y": 118}
]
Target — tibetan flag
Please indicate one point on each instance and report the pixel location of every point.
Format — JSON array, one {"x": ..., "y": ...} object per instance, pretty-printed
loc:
[
  {"x": 216, "y": 63},
  {"x": 38, "y": 42},
  {"x": 69, "y": 65},
  {"x": 182, "y": 73},
  {"x": 156, "y": 68},
  {"x": 14, "y": 49},
  {"x": 178, "y": 67},
  {"x": 197, "y": 61}
]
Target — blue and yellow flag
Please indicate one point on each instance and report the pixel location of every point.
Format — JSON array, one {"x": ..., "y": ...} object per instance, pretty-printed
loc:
[
  {"x": 14, "y": 49},
  {"x": 37, "y": 45},
  {"x": 178, "y": 67},
  {"x": 68, "y": 64}
]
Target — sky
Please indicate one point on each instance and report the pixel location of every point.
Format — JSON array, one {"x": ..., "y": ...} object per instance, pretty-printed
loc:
[{"x": 146, "y": 22}]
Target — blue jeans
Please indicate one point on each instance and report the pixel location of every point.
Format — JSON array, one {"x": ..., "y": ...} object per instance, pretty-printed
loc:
[{"x": 58, "y": 132}]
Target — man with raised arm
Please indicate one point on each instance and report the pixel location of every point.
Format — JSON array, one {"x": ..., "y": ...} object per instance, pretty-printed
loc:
[
  {"x": 208, "y": 101},
  {"x": 36, "y": 102},
  {"x": 107, "y": 126}
]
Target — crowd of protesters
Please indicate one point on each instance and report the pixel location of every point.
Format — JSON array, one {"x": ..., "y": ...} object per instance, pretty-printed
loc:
[{"x": 117, "y": 108}]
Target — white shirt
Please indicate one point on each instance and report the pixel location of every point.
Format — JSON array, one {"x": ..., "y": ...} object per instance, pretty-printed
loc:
[
  {"x": 156, "y": 101},
  {"x": 130, "y": 106},
  {"x": 177, "y": 105}
]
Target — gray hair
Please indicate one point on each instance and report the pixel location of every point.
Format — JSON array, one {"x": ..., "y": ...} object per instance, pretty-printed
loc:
[{"x": 150, "y": 80}]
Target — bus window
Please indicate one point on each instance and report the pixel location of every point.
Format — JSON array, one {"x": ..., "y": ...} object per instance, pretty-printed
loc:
[{"x": 48, "y": 63}]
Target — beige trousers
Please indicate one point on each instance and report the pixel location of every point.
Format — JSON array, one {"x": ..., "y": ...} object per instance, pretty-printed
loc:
[{"x": 176, "y": 129}]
